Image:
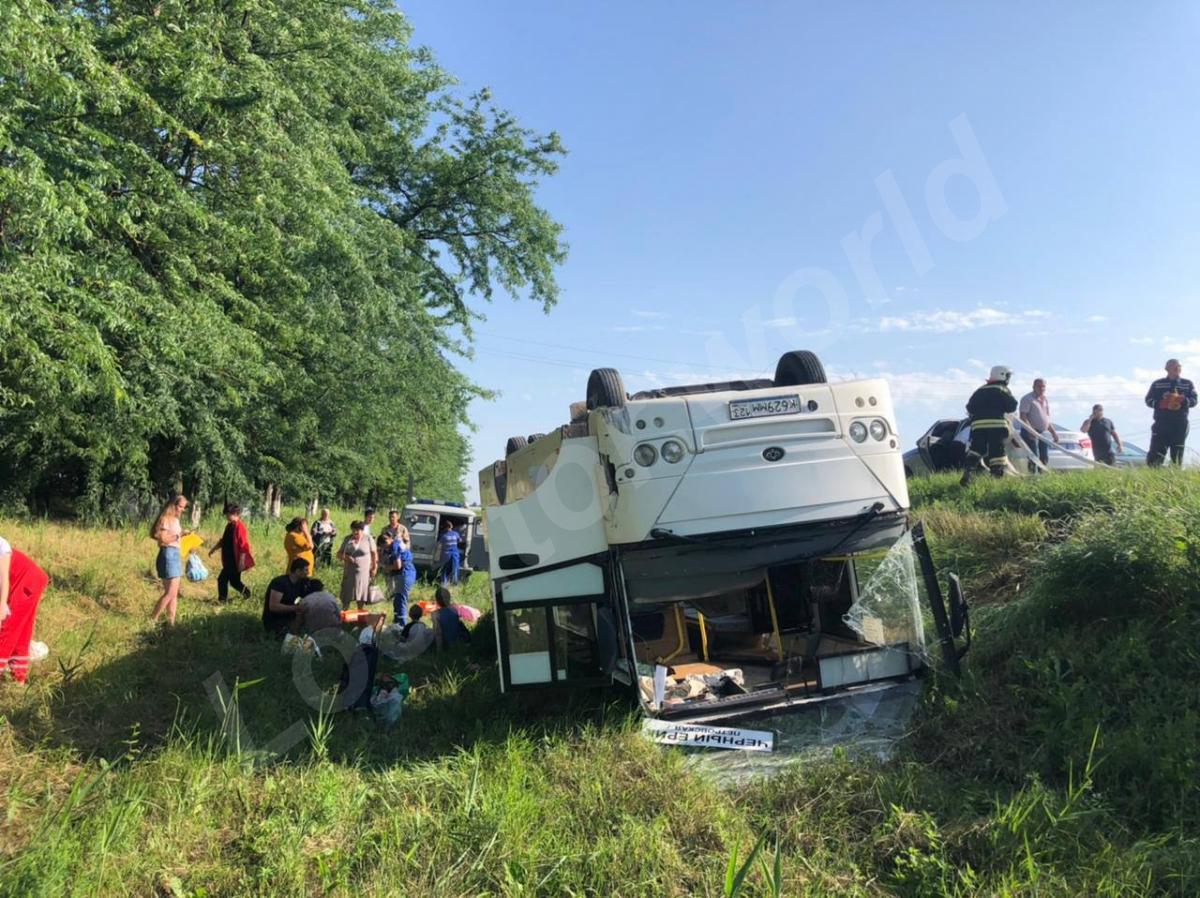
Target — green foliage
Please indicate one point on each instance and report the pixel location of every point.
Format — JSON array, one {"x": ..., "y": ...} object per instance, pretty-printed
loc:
[
  {"x": 241, "y": 238},
  {"x": 1064, "y": 763}
]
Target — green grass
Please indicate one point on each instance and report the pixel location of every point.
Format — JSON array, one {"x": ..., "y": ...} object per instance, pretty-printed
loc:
[{"x": 1063, "y": 763}]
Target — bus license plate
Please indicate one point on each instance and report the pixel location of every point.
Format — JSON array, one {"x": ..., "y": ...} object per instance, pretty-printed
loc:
[{"x": 740, "y": 409}]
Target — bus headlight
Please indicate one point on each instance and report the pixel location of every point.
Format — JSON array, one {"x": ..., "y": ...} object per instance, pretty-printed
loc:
[
  {"x": 672, "y": 451},
  {"x": 858, "y": 432},
  {"x": 645, "y": 455},
  {"x": 878, "y": 430}
]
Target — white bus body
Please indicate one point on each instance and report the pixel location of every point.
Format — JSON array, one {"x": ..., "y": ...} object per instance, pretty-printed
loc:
[{"x": 717, "y": 532}]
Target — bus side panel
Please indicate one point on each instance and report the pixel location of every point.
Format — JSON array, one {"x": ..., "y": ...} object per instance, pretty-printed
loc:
[{"x": 559, "y": 521}]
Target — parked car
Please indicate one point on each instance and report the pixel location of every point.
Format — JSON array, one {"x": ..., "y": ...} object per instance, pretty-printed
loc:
[
  {"x": 944, "y": 448},
  {"x": 1131, "y": 456}
]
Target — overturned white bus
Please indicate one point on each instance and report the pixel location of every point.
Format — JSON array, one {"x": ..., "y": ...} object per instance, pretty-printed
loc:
[{"x": 722, "y": 548}]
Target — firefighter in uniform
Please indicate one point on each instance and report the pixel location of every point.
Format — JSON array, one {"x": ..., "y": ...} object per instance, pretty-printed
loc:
[{"x": 987, "y": 408}]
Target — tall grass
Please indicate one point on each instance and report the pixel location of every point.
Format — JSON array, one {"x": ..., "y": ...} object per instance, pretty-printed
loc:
[{"x": 1064, "y": 762}]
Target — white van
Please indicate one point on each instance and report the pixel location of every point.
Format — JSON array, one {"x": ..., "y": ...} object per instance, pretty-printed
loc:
[
  {"x": 723, "y": 548},
  {"x": 424, "y": 518}
]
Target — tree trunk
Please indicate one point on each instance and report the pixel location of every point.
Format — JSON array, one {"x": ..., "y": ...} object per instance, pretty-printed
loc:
[
  {"x": 312, "y": 506},
  {"x": 197, "y": 513},
  {"x": 268, "y": 499},
  {"x": 277, "y": 504}
]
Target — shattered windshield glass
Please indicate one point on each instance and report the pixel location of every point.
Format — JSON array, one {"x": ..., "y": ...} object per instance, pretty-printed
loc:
[{"x": 888, "y": 608}]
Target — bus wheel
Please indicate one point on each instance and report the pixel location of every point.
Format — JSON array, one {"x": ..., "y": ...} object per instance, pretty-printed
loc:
[
  {"x": 534, "y": 437},
  {"x": 515, "y": 443},
  {"x": 798, "y": 368},
  {"x": 605, "y": 389}
]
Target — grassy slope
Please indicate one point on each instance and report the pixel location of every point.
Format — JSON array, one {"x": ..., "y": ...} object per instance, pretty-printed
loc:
[{"x": 118, "y": 777}]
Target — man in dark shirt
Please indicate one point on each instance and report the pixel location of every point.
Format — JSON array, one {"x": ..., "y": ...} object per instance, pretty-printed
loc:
[
  {"x": 283, "y": 593},
  {"x": 1171, "y": 397},
  {"x": 1102, "y": 434}
]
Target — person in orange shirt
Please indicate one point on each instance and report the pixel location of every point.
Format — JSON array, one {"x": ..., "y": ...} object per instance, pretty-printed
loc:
[{"x": 298, "y": 543}]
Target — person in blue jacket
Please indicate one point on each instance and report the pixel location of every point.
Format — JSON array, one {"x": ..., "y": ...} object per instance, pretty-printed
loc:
[
  {"x": 402, "y": 572},
  {"x": 449, "y": 541}
]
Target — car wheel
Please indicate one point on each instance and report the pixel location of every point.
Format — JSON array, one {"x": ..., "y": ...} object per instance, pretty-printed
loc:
[
  {"x": 798, "y": 368},
  {"x": 605, "y": 389}
]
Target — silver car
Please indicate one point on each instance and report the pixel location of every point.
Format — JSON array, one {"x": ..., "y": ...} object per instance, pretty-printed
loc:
[{"x": 944, "y": 448}]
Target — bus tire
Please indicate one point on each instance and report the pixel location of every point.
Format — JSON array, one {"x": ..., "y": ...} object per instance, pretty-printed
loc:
[
  {"x": 514, "y": 444},
  {"x": 534, "y": 437},
  {"x": 798, "y": 368},
  {"x": 605, "y": 389}
]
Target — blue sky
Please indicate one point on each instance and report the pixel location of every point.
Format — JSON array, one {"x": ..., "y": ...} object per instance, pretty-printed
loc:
[{"x": 916, "y": 192}]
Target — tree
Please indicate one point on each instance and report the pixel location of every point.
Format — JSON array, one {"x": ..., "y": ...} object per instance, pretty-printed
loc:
[{"x": 236, "y": 243}]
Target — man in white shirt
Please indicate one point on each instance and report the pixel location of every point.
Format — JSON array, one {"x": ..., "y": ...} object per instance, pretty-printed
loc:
[{"x": 1035, "y": 414}]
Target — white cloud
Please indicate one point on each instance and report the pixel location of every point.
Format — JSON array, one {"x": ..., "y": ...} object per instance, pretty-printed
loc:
[
  {"x": 1186, "y": 347},
  {"x": 650, "y": 313},
  {"x": 634, "y": 328},
  {"x": 944, "y": 321},
  {"x": 1096, "y": 319},
  {"x": 1142, "y": 341}
]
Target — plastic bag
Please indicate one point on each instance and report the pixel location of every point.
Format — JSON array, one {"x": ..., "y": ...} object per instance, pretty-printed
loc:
[
  {"x": 293, "y": 644},
  {"x": 196, "y": 571},
  {"x": 388, "y": 701},
  {"x": 374, "y": 595}
]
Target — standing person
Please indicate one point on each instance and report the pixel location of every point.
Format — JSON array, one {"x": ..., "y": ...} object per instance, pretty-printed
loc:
[
  {"x": 393, "y": 526},
  {"x": 402, "y": 573},
  {"x": 167, "y": 531},
  {"x": 324, "y": 532},
  {"x": 1035, "y": 415},
  {"x": 235, "y": 549},
  {"x": 987, "y": 409},
  {"x": 1171, "y": 397},
  {"x": 358, "y": 567},
  {"x": 451, "y": 559},
  {"x": 22, "y": 584},
  {"x": 1102, "y": 434},
  {"x": 367, "y": 521},
  {"x": 298, "y": 543}
]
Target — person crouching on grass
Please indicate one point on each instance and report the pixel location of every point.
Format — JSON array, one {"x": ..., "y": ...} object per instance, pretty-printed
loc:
[{"x": 167, "y": 530}]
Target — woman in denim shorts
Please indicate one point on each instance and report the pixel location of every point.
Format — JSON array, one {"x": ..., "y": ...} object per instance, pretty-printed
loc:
[{"x": 167, "y": 531}]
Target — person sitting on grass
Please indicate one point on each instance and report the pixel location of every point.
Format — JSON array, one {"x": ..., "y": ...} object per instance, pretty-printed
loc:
[
  {"x": 405, "y": 643},
  {"x": 283, "y": 594},
  {"x": 449, "y": 626},
  {"x": 318, "y": 610}
]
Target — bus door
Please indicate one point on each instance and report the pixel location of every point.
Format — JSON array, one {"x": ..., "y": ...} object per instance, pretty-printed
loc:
[{"x": 558, "y": 627}]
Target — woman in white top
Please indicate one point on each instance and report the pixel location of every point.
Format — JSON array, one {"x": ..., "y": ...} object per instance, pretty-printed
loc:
[{"x": 167, "y": 531}]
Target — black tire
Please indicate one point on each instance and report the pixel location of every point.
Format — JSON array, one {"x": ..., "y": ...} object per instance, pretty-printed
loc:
[
  {"x": 799, "y": 367},
  {"x": 605, "y": 389},
  {"x": 515, "y": 443},
  {"x": 534, "y": 437}
]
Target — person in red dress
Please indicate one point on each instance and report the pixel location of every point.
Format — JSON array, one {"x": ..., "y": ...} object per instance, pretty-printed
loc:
[{"x": 22, "y": 584}]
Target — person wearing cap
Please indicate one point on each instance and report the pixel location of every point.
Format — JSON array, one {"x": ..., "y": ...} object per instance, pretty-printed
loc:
[
  {"x": 1103, "y": 434},
  {"x": 988, "y": 409},
  {"x": 1171, "y": 397}
]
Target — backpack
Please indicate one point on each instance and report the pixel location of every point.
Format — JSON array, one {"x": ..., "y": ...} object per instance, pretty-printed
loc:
[{"x": 196, "y": 571}]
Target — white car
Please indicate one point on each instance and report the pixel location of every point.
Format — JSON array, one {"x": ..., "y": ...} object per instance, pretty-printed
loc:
[
  {"x": 944, "y": 448},
  {"x": 716, "y": 546}
]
